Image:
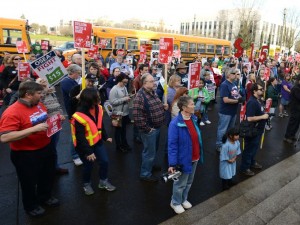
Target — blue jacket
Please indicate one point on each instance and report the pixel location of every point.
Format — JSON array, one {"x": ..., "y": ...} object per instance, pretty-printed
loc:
[{"x": 180, "y": 144}]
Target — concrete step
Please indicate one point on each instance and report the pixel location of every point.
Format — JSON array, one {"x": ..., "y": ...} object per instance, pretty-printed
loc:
[{"x": 229, "y": 206}]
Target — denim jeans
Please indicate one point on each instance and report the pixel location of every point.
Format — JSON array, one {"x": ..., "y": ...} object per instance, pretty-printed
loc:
[
  {"x": 204, "y": 115},
  {"x": 182, "y": 186},
  {"x": 102, "y": 160},
  {"x": 225, "y": 122},
  {"x": 150, "y": 143},
  {"x": 54, "y": 142},
  {"x": 72, "y": 148},
  {"x": 249, "y": 153}
]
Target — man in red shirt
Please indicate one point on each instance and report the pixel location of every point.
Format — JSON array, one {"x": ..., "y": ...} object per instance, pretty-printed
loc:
[{"x": 24, "y": 126}]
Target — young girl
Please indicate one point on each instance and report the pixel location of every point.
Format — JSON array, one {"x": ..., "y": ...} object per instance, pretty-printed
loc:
[
  {"x": 202, "y": 99},
  {"x": 228, "y": 155}
]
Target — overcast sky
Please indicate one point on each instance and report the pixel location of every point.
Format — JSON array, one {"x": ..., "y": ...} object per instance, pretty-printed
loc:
[{"x": 50, "y": 12}]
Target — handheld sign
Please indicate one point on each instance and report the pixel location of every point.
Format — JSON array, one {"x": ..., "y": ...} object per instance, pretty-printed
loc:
[
  {"x": 263, "y": 53},
  {"x": 54, "y": 125},
  {"x": 165, "y": 50},
  {"x": 177, "y": 54},
  {"x": 93, "y": 51},
  {"x": 267, "y": 74},
  {"x": 44, "y": 44},
  {"x": 82, "y": 34},
  {"x": 21, "y": 47},
  {"x": 194, "y": 75},
  {"x": 102, "y": 44},
  {"x": 242, "y": 112},
  {"x": 238, "y": 47},
  {"x": 143, "y": 54},
  {"x": 23, "y": 71},
  {"x": 50, "y": 68}
]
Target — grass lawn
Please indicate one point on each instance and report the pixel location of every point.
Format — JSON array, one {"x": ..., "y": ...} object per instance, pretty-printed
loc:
[{"x": 54, "y": 40}]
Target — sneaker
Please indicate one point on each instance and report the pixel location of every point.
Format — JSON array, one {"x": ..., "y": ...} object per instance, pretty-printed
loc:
[
  {"x": 38, "y": 211},
  {"x": 186, "y": 204},
  {"x": 267, "y": 127},
  {"x": 177, "y": 208},
  {"x": 88, "y": 190},
  {"x": 77, "y": 162},
  {"x": 105, "y": 185},
  {"x": 256, "y": 166},
  {"x": 280, "y": 115},
  {"x": 201, "y": 123},
  {"x": 207, "y": 122},
  {"x": 248, "y": 172},
  {"x": 285, "y": 114},
  {"x": 52, "y": 202},
  {"x": 288, "y": 140}
]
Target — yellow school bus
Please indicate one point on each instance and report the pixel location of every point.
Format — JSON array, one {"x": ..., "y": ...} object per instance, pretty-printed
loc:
[
  {"x": 11, "y": 31},
  {"x": 131, "y": 40}
]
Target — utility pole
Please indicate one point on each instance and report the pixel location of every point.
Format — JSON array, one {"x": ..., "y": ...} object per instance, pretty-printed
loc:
[
  {"x": 283, "y": 33},
  {"x": 194, "y": 25}
]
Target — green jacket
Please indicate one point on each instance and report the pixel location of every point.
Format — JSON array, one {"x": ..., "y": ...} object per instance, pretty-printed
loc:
[
  {"x": 195, "y": 92},
  {"x": 273, "y": 94}
]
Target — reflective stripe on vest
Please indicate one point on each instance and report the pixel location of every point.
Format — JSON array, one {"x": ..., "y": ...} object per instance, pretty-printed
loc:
[{"x": 93, "y": 133}]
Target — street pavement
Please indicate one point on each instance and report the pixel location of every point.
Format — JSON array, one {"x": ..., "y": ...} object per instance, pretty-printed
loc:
[{"x": 134, "y": 202}]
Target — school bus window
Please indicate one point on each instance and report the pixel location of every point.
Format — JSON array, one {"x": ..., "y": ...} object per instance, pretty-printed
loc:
[
  {"x": 184, "y": 46},
  {"x": 155, "y": 44},
  {"x": 226, "y": 50},
  {"x": 201, "y": 48},
  {"x": 210, "y": 49},
  {"x": 108, "y": 42},
  {"x": 192, "y": 47},
  {"x": 120, "y": 43},
  {"x": 132, "y": 43},
  {"x": 219, "y": 49},
  {"x": 11, "y": 36},
  {"x": 175, "y": 47},
  {"x": 143, "y": 42}
]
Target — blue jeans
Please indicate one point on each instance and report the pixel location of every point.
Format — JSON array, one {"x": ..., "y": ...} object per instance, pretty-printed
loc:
[
  {"x": 225, "y": 122},
  {"x": 101, "y": 158},
  {"x": 204, "y": 115},
  {"x": 150, "y": 143},
  {"x": 182, "y": 186},
  {"x": 249, "y": 153},
  {"x": 54, "y": 142},
  {"x": 72, "y": 148}
]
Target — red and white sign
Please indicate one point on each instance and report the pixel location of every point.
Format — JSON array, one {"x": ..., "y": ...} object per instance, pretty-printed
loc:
[
  {"x": 290, "y": 59},
  {"x": 242, "y": 112},
  {"x": 44, "y": 45},
  {"x": 222, "y": 50},
  {"x": 268, "y": 105},
  {"x": 54, "y": 125},
  {"x": 298, "y": 57},
  {"x": 251, "y": 53},
  {"x": 93, "y": 51},
  {"x": 143, "y": 53},
  {"x": 82, "y": 34},
  {"x": 21, "y": 47},
  {"x": 177, "y": 54},
  {"x": 102, "y": 44},
  {"x": 23, "y": 71},
  {"x": 194, "y": 75},
  {"x": 267, "y": 74},
  {"x": 264, "y": 52},
  {"x": 165, "y": 50}
]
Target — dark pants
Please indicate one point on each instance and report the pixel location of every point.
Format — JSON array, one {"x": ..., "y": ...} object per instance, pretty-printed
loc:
[
  {"x": 120, "y": 133},
  {"x": 35, "y": 170},
  {"x": 293, "y": 124},
  {"x": 249, "y": 153},
  {"x": 102, "y": 160}
]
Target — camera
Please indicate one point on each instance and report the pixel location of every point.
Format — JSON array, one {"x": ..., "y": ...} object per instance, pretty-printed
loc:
[{"x": 172, "y": 176}]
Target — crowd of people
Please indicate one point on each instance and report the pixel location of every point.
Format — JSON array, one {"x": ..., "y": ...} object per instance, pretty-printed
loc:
[{"x": 124, "y": 83}]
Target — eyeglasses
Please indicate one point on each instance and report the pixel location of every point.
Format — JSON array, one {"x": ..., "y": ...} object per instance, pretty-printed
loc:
[
  {"x": 150, "y": 81},
  {"x": 118, "y": 71},
  {"x": 17, "y": 58},
  {"x": 260, "y": 89}
]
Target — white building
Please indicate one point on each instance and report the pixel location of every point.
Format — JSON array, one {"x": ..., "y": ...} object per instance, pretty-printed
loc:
[{"x": 225, "y": 24}]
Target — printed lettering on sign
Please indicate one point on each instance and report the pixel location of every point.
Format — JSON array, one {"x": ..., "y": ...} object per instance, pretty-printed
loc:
[
  {"x": 54, "y": 125},
  {"x": 165, "y": 50},
  {"x": 23, "y": 71},
  {"x": 21, "y": 47},
  {"x": 82, "y": 34}
]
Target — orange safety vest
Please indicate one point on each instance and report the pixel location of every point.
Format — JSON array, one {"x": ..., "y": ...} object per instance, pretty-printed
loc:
[{"x": 93, "y": 133}]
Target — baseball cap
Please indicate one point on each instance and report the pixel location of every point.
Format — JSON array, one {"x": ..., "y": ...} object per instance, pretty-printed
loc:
[{"x": 91, "y": 76}]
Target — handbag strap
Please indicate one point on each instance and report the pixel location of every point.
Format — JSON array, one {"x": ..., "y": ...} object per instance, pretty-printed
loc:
[{"x": 12, "y": 81}]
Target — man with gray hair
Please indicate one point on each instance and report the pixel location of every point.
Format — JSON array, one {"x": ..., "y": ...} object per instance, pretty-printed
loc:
[
  {"x": 67, "y": 84},
  {"x": 149, "y": 116},
  {"x": 123, "y": 66},
  {"x": 230, "y": 98}
]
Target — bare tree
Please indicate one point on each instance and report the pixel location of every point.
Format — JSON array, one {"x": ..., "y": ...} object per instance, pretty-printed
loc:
[
  {"x": 247, "y": 13},
  {"x": 291, "y": 30},
  {"x": 297, "y": 45}
]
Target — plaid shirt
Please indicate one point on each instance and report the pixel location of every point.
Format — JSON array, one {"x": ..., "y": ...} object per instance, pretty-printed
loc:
[{"x": 146, "y": 120}]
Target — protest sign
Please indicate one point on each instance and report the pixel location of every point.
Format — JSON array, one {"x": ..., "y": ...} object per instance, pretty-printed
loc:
[
  {"x": 44, "y": 45},
  {"x": 194, "y": 75},
  {"x": 102, "y": 43},
  {"x": 21, "y": 47},
  {"x": 263, "y": 53},
  {"x": 23, "y": 71},
  {"x": 50, "y": 68},
  {"x": 82, "y": 34},
  {"x": 211, "y": 90},
  {"x": 143, "y": 54},
  {"x": 177, "y": 54},
  {"x": 92, "y": 52},
  {"x": 54, "y": 125},
  {"x": 165, "y": 50},
  {"x": 267, "y": 74},
  {"x": 242, "y": 112}
]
